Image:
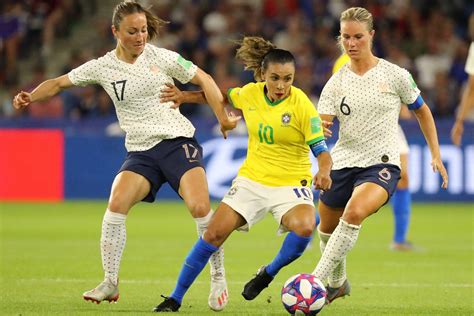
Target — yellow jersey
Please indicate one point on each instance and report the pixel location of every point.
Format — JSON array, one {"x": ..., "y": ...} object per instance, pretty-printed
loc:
[
  {"x": 280, "y": 133},
  {"x": 341, "y": 61}
]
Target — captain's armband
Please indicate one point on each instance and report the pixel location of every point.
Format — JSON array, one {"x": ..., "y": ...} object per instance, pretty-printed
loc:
[
  {"x": 318, "y": 147},
  {"x": 417, "y": 104}
]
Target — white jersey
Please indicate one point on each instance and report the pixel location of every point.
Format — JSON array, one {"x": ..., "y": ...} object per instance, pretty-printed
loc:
[
  {"x": 367, "y": 108},
  {"x": 470, "y": 60},
  {"x": 135, "y": 91},
  {"x": 402, "y": 142}
]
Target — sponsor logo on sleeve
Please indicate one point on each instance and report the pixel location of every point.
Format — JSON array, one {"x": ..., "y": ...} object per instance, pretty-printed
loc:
[
  {"x": 315, "y": 125},
  {"x": 185, "y": 63}
]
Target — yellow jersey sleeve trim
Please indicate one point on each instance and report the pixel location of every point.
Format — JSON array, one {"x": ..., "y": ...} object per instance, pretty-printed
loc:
[{"x": 314, "y": 141}]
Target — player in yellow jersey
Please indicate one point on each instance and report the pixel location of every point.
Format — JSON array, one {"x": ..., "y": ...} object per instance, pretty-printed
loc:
[
  {"x": 283, "y": 126},
  {"x": 341, "y": 61}
]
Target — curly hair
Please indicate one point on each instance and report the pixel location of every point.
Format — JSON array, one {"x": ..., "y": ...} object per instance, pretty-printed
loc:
[{"x": 256, "y": 53}]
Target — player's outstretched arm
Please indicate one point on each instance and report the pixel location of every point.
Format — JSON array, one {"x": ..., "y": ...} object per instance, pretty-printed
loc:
[
  {"x": 428, "y": 127},
  {"x": 467, "y": 103},
  {"x": 44, "y": 91},
  {"x": 171, "y": 93},
  {"x": 215, "y": 99}
]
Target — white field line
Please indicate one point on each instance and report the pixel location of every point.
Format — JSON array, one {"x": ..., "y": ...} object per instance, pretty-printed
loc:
[{"x": 170, "y": 281}]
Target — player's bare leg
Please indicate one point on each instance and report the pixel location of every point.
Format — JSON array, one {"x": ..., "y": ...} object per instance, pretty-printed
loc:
[
  {"x": 224, "y": 222},
  {"x": 366, "y": 199},
  {"x": 193, "y": 188},
  {"x": 300, "y": 221},
  {"x": 128, "y": 188}
]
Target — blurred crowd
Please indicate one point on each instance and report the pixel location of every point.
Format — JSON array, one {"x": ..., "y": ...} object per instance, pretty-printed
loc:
[{"x": 427, "y": 37}]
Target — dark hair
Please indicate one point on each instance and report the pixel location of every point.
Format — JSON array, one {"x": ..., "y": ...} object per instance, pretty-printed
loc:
[
  {"x": 257, "y": 53},
  {"x": 130, "y": 7}
]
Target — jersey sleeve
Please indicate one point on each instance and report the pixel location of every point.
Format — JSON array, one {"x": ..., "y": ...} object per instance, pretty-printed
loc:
[
  {"x": 178, "y": 67},
  {"x": 233, "y": 95},
  {"x": 469, "y": 68},
  {"x": 239, "y": 98},
  {"x": 312, "y": 127},
  {"x": 87, "y": 73},
  {"x": 327, "y": 101},
  {"x": 407, "y": 88}
]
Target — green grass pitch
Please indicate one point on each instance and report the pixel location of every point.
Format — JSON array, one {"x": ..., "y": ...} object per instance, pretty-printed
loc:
[{"x": 50, "y": 255}]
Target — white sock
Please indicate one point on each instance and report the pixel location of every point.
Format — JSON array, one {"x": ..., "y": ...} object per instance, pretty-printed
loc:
[
  {"x": 112, "y": 243},
  {"x": 339, "y": 244},
  {"x": 338, "y": 275},
  {"x": 216, "y": 261}
]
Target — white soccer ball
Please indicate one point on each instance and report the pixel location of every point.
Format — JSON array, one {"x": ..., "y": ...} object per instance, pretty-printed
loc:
[{"x": 303, "y": 294}]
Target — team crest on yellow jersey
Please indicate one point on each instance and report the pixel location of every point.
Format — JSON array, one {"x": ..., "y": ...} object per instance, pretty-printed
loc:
[{"x": 286, "y": 118}]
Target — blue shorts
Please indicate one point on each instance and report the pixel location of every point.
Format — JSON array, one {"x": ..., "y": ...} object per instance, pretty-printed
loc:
[
  {"x": 165, "y": 162},
  {"x": 345, "y": 180}
]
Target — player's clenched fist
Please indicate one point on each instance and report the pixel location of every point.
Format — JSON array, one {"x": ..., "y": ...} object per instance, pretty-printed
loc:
[
  {"x": 21, "y": 100},
  {"x": 322, "y": 181}
]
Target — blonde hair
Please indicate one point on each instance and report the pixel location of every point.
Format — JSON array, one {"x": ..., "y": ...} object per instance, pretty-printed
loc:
[
  {"x": 256, "y": 53},
  {"x": 130, "y": 7},
  {"x": 358, "y": 14}
]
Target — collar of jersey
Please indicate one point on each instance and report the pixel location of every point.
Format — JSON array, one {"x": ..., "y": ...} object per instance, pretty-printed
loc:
[
  {"x": 269, "y": 102},
  {"x": 126, "y": 63}
]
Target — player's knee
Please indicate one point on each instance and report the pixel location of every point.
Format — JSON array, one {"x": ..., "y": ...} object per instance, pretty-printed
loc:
[
  {"x": 199, "y": 208},
  {"x": 303, "y": 226},
  {"x": 214, "y": 236},
  {"x": 119, "y": 203},
  {"x": 354, "y": 215}
]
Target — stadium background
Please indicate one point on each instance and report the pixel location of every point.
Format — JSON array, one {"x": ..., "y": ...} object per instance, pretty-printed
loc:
[
  {"x": 77, "y": 146},
  {"x": 65, "y": 152}
]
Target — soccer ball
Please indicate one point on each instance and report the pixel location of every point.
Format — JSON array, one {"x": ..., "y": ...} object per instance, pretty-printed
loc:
[{"x": 303, "y": 294}]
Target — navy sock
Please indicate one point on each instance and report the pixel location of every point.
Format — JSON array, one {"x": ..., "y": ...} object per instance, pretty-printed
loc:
[
  {"x": 401, "y": 204},
  {"x": 193, "y": 265},
  {"x": 292, "y": 248}
]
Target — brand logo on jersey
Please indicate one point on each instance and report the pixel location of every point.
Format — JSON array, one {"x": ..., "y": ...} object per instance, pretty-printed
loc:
[
  {"x": 286, "y": 118},
  {"x": 154, "y": 69}
]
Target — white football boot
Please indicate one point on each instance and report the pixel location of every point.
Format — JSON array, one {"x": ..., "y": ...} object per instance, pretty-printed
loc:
[
  {"x": 219, "y": 294},
  {"x": 105, "y": 291}
]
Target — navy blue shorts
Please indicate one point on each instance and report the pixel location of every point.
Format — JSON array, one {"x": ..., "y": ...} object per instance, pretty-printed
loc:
[
  {"x": 345, "y": 180},
  {"x": 165, "y": 162}
]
